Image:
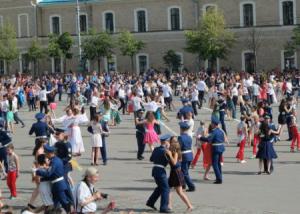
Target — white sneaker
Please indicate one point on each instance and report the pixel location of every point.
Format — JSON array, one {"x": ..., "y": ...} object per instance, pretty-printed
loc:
[{"x": 243, "y": 161}]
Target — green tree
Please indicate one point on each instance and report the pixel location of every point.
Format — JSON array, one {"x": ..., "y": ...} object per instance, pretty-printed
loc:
[
  {"x": 172, "y": 60},
  {"x": 8, "y": 45},
  {"x": 60, "y": 47},
  {"x": 98, "y": 45},
  {"x": 211, "y": 40},
  {"x": 130, "y": 46},
  {"x": 35, "y": 53},
  {"x": 294, "y": 43}
]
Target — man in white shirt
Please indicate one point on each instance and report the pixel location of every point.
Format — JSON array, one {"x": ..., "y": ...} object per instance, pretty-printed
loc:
[
  {"x": 85, "y": 195},
  {"x": 43, "y": 99},
  {"x": 195, "y": 95},
  {"x": 201, "y": 87},
  {"x": 16, "y": 113}
]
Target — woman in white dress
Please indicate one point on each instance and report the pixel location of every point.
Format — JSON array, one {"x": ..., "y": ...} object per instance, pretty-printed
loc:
[
  {"x": 74, "y": 132},
  {"x": 96, "y": 139}
]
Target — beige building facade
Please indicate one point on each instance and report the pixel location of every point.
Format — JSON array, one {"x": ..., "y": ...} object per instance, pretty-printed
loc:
[{"x": 161, "y": 25}]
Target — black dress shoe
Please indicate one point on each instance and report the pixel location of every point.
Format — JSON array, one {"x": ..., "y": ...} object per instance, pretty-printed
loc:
[
  {"x": 218, "y": 182},
  {"x": 166, "y": 211},
  {"x": 191, "y": 190},
  {"x": 141, "y": 158},
  {"x": 151, "y": 206}
]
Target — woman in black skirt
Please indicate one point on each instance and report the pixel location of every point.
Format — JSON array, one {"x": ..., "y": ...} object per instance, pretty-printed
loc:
[
  {"x": 282, "y": 115},
  {"x": 266, "y": 149},
  {"x": 176, "y": 178}
]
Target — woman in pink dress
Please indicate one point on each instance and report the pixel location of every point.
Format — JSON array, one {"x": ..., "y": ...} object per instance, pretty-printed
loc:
[{"x": 151, "y": 136}]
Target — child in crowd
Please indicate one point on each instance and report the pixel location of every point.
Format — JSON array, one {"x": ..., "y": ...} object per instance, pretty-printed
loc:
[
  {"x": 13, "y": 171},
  {"x": 96, "y": 139},
  {"x": 255, "y": 129},
  {"x": 295, "y": 132},
  {"x": 242, "y": 132}
]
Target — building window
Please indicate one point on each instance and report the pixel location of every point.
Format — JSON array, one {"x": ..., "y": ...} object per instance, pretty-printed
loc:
[
  {"x": 211, "y": 64},
  {"x": 288, "y": 12},
  {"x": 23, "y": 25},
  {"x": 83, "y": 23},
  {"x": 109, "y": 22},
  {"x": 141, "y": 24},
  {"x": 56, "y": 65},
  {"x": 175, "y": 19},
  {"x": 1, "y": 22},
  {"x": 111, "y": 63},
  {"x": 142, "y": 63},
  {"x": 209, "y": 7},
  {"x": 288, "y": 60},
  {"x": 248, "y": 14},
  {"x": 24, "y": 63},
  {"x": 2, "y": 67},
  {"x": 55, "y": 27},
  {"x": 248, "y": 62}
]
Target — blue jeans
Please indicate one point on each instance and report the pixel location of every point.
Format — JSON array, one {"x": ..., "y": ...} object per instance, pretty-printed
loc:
[
  {"x": 161, "y": 190},
  {"x": 185, "y": 165},
  {"x": 216, "y": 163}
]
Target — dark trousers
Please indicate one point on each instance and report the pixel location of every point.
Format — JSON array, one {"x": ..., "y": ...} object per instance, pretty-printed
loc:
[
  {"x": 266, "y": 166},
  {"x": 162, "y": 190},
  {"x": 3, "y": 158},
  {"x": 59, "y": 95},
  {"x": 17, "y": 118},
  {"x": 194, "y": 105},
  {"x": 222, "y": 120},
  {"x": 61, "y": 198},
  {"x": 32, "y": 106},
  {"x": 123, "y": 105},
  {"x": 140, "y": 144},
  {"x": 216, "y": 163},
  {"x": 288, "y": 123},
  {"x": 43, "y": 105},
  {"x": 92, "y": 112},
  {"x": 185, "y": 165},
  {"x": 200, "y": 97},
  {"x": 103, "y": 150}
]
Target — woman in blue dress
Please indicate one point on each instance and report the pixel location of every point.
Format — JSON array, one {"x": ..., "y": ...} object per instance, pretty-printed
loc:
[{"x": 266, "y": 149}]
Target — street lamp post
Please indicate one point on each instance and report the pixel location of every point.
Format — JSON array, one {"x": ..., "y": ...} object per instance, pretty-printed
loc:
[{"x": 78, "y": 29}]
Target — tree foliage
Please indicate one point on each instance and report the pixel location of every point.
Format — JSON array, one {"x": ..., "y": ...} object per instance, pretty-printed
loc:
[
  {"x": 8, "y": 44},
  {"x": 211, "y": 40},
  {"x": 98, "y": 45},
  {"x": 130, "y": 46},
  {"x": 294, "y": 43},
  {"x": 34, "y": 54},
  {"x": 172, "y": 60},
  {"x": 60, "y": 47}
]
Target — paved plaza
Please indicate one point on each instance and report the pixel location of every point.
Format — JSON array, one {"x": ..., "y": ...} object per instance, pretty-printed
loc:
[{"x": 129, "y": 181}]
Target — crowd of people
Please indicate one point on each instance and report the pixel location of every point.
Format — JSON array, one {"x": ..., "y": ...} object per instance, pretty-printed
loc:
[{"x": 98, "y": 101}]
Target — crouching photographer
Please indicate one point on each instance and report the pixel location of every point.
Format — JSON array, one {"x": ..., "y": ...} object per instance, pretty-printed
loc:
[{"x": 85, "y": 195}]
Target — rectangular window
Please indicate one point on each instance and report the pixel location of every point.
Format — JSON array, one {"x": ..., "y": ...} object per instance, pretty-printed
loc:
[
  {"x": 25, "y": 63},
  {"x": 175, "y": 19},
  {"x": 288, "y": 12},
  {"x": 111, "y": 63},
  {"x": 23, "y": 25},
  {"x": 141, "y": 21},
  {"x": 55, "y": 25},
  {"x": 2, "y": 67},
  {"x": 210, "y": 8},
  {"x": 143, "y": 64},
  {"x": 248, "y": 15},
  {"x": 57, "y": 65},
  {"x": 249, "y": 62},
  {"x": 289, "y": 60},
  {"x": 83, "y": 23},
  {"x": 1, "y": 22},
  {"x": 109, "y": 22}
]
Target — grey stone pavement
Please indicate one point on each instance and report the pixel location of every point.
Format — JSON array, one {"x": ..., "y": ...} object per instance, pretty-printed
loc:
[{"x": 129, "y": 181}]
